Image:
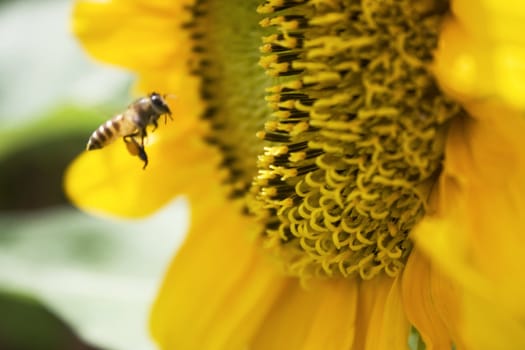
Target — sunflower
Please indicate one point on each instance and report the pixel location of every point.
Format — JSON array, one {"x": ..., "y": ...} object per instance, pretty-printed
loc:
[{"x": 354, "y": 168}]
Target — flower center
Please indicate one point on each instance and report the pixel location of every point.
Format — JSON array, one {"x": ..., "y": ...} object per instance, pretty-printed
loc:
[
  {"x": 226, "y": 37},
  {"x": 353, "y": 123}
]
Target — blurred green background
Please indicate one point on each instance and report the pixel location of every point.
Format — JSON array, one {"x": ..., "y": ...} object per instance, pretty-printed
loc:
[{"x": 67, "y": 280}]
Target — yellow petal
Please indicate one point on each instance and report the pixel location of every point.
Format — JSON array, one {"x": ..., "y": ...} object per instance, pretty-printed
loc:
[
  {"x": 458, "y": 63},
  {"x": 320, "y": 316},
  {"x": 493, "y": 20},
  {"x": 447, "y": 297},
  {"x": 132, "y": 34},
  {"x": 482, "y": 192},
  {"x": 420, "y": 304},
  {"x": 381, "y": 321},
  {"x": 481, "y": 51},
  {"x": 218, "y": 288},
  {"x": 487, "y": 326},
  {"x": 334, "y": 324},
  {"x": 110, "y": 180},
  {"x": 475, "y": 315},
  {"x": 476, "y": 234}
]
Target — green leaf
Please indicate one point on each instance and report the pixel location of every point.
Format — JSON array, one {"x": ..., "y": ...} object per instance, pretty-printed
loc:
[
  {"x": 60, "y": 121},
  {"x": 415, "y": 341},
  {"x": 99, "y": 275},
  {"x": 44, "y": 147},
  {"x": 28, "y": 325}
]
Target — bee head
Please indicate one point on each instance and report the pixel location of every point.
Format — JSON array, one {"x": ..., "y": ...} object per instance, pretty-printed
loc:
[{"x": 159, "y": 104}]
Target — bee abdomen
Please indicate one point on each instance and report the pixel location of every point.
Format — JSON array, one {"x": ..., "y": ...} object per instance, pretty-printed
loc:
[{"x": 104, "y": 135}]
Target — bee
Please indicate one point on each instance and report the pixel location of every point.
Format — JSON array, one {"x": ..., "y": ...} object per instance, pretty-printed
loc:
[{"x": 131, "y": 125}]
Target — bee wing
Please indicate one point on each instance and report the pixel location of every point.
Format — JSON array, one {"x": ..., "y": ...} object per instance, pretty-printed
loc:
[{"x": 127, "y": 122}]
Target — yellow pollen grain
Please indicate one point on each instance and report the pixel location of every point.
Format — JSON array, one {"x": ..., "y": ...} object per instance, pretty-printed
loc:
[
  {"x": 329, "y": 18},
  {"x": 281, "y": 114},
  {"x": 297, "y": 156}
]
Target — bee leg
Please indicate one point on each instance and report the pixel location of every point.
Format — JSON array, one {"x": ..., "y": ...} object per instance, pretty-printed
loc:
[
  {"x": 142, "y": 151},
  {"x": 155, "y": 124},
  {"x": 132, "y": 138},
  {"x": 140, "y": 133},
  {"x": 136, "y": 149},
  {"x": 166, "y": 116},
  {"x": 142, "y": 155}
]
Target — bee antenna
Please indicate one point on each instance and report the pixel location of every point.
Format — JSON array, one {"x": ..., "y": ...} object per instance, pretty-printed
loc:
[
  {"x": 166, "y": 116},
  {"x": 169, "y": 96}
]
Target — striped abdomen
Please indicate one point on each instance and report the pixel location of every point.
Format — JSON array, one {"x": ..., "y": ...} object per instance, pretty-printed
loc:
[{"x": 109, "y": 132}]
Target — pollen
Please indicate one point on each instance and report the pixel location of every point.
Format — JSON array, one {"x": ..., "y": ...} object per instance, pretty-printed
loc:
[{"x": 355, "y": 136}]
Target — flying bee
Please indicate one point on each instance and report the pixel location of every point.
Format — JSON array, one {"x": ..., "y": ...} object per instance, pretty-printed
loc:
[{"x": 131, "y": 125}]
